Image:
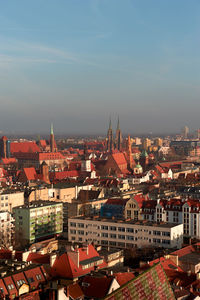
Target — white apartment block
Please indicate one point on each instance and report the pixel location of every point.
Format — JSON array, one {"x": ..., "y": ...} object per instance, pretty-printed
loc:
[
  {"x": 6, "y": 229},
  {"x": 124, "y": 233}
]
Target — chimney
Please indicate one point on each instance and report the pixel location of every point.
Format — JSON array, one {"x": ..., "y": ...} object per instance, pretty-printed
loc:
[
  {"x": 13, "y": 254},
  {"x": 25, "y": 255},
  {"x": 52, "y": 259}
]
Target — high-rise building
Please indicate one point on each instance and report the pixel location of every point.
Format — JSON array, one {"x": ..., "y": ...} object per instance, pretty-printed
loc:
[
  {"x": 185, "y": 132},
  {"x": 38, "y": 220}
]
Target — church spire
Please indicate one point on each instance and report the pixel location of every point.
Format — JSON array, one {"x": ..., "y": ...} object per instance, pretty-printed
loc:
[
  {"x": 118, "y": 140},
  {"x": 110, "y": 137},
  {"x": 52, "y": 141},
  {"x": 118, "y": 128},
  {"x": 110, "y": 124},
  {"x": 52, "y": 128}
]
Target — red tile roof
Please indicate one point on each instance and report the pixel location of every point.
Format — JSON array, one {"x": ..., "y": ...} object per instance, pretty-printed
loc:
[
  {"x": 24, "y": 147},
  {"x": 119, "y": 158},
  {"x": 39, "y": 258},
  {"x": 63, "y": 175},
  {"x": 7, "y": 161},
  {"x": 75, "y": 291},
  {"x": 96, "y": 287},
  {"x": 66, "y": 265},
  {"x": 123, "y": 278},
  {"x": 30, "y": 173},
  {"x": 139, "y": 198},
  {"x": 152, "y": 284}
]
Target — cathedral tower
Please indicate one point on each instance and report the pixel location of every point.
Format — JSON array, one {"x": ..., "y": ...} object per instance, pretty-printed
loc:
[
  {"x": 118, "y": 137},
  {"x": 52, "y": 141},
  {"x": 110, "y": 138}
]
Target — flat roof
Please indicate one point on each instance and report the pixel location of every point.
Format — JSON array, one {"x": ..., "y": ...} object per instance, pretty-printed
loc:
[
  {"x": 126, "y": 221},
  {"x": 37, "y": 204}
]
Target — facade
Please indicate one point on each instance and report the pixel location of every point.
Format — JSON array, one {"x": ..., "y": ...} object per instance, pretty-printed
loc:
[
  {"x": 39, "y": 220},
  {"x": 10, "y": 199},
  {"x": 6, "y": 229},
  {"x": 174, "y": 211},
  {"x": 124, "y": 233}
]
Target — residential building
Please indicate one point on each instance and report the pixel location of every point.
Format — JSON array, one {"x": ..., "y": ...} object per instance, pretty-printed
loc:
[
  {"x": 10, "y": 199},
  {"x": 6, "y": 229},
  {"x": 37, "y": 221},
  {"x": 124, "y": 233}
]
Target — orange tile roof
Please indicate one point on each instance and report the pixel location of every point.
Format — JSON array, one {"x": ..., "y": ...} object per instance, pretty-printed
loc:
[
  {"x": 119, "y": 158},
  {"x": 123, "y": 278},
  {"x": 24, "y": 147},
  {"x": 30, "y": 173}
]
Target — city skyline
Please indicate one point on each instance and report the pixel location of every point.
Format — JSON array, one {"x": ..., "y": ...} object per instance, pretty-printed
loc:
[{"x": 75, "y": 62}]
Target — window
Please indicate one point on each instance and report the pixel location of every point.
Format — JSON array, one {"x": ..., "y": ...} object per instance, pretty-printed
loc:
[
  {"x": 113, "y": 228},
  {"x": 38, "y": 277},
  {"x": 20, "y": 282},
  {"x": 80, "y": 225},
  {"x": 129, "y": 230},
  {"x": 104, "y": 234},
  {"x": 73, "y": 224},
  {"x": 113, "y": 236},
  {"x": 10, "y": 286},
  {"x": 121, "y": 237},
  {"x": 128, "y": 213},
  {"x": 81, "y": 232},
  {"x": 129, "y": 237},
  {"x": 104, "y": 227},
  {"x": 121, "y": 229}
]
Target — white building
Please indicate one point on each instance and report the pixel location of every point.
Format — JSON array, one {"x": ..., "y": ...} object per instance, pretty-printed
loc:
[
  {"x": 6, "y": 229},
  {"x": 124, "y": 233}
]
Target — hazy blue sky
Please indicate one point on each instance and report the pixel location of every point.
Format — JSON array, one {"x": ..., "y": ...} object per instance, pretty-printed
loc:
[{"x": 76, "y": 62}]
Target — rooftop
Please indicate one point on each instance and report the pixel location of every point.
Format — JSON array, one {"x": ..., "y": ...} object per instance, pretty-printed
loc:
[
  {"x": 126, "y": 221},
  {"x": 38, "y": 203}
]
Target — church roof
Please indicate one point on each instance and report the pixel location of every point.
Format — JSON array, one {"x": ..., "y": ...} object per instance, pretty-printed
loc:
[{"x": 151, "y": 284}]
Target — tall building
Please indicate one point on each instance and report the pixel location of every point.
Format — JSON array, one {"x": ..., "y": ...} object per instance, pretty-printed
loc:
[
  {"x": 185, "y": 132},
  {"x": 4, "y": 147},
  {"x": 129, "y": 153},
  {"x": 198, "y": 133},
  {"x": 118, "y": 137},
  {"x": 158, "y": 142},
  {"x": 38, "y": 220},
  {"x": 146, "y": 144},
  {"x": 110, "y": 142},
  {"x": 52, "y": 140}
]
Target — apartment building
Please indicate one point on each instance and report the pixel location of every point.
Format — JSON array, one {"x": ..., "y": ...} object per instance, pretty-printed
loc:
[
  {"x": 36, "y": 221},
  {"x": 6, "y": 229},
  {"x": 124, "y": 233},
  {"x": 10, "y": 199},
  {"x": 174, "y": 211}
]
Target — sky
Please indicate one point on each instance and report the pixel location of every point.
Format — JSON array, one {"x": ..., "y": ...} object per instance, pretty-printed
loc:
[{"x": 76, "y": 62}]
